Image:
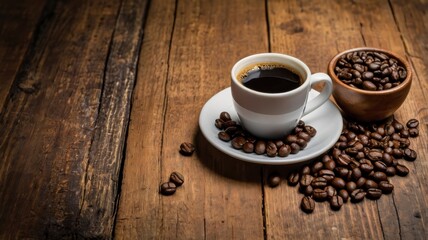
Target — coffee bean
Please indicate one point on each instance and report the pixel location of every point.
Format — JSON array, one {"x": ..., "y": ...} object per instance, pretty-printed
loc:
[
  {"x": 274, "y": 179},
  {"x": 225, "y": 116},
  {"x": 224, "y": 136},
  {"x": 412, "y": 123},
  {"x": 341, "y": 171},
  {"x": 305, "y": 170},
  {"x": 410, "y": 154},
  {"x": 374, "y": 193},
  {"x": 344, "y": 194},
  {"x": 413, "y": 132},
  {"x": 248, "y": 147},
  {"x": 380, "y": 166},
  {"x": 366, "y": 168},
  {"x": 307, "y": 204},
  {"x": 306, "y": 180},
  {"x": 238, "y": 142},
  {"x": 291, "y": 139},
  {"x": 260, "y": 147},
  {"x": 336, "y": 202},
  {"x": 401, "y": 170},
  {"x": 350, "y": 186},
  {"x": 379, "y": 176},
  {"x": 307, "y": 190},
  {"x": 374, "y": 155},
  {"x": 343, "y": 160},
  {"x": 295, "y": 148},
  {"x": 310, "y": 130},
  {"x": 370, "y": 184},
  {"x": 316, "y": 167},
  {"x": 319, "y": 182},
  {"x": 331, "y": 191},
  {"x": 327, "y": 174},
  {"x": 271, "y": 149},
  {"x": 176, "y": 178},
  {"x": 338, "y": 183},
  {"x": 187, "y": 149},
  {"x": 356, "y": 173},
  {"x": 386, "y": 187},
  {"x": 390, "y": 171},
  {"x": 319, "y": 194},
  {"x": 357, "y": 195},
  {"x": 302, "y": 143},
  {"x": 330, "y": 165},
  {"x": 360, "y": 182},
  {"x": 219, "y": 124},
  {"x": 167, "y": 188},
  {"x": 293, "y": 178},
  {"x": 284, "y": 150}
]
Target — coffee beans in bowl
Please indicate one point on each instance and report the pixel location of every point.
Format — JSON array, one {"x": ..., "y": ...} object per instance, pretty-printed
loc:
[{"x": 369, "y": 84}]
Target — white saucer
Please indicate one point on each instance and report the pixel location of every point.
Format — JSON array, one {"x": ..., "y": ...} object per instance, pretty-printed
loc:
[{"x": 327, "y": 120}]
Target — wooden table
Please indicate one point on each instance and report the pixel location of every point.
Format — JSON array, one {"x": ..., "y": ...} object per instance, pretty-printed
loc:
[{"x": 97, "y": 96}]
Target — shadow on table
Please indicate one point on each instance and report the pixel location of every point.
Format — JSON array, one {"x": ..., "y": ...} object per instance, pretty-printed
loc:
[{"x": 236, "y": 169}]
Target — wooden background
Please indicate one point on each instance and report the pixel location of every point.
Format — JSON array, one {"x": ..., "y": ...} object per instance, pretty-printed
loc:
[{"x": 96, "y": 97}]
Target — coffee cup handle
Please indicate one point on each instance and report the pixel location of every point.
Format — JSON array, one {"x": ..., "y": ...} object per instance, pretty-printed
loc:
[{"x": 323, "y": 96}]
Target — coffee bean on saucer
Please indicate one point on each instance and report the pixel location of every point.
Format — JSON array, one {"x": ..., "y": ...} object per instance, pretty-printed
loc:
[{"x": 187, "y": 149}]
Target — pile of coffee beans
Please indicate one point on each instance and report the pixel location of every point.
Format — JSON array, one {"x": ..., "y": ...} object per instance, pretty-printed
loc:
[
  {"x": 176, "y": 179},
  {"x": 370, "y": 70},
  {"x": 240, "y": 139},
  {"x": 358, "y": 166}
]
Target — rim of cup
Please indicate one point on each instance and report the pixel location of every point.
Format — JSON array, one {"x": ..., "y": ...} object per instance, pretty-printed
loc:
[{"x": 283, "y": 59}]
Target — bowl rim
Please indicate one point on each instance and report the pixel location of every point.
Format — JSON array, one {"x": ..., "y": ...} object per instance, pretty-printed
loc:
[{"x": 403, "y": 85}]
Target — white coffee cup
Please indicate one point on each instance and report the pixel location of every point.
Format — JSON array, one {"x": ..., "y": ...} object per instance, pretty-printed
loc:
[{"x": 274, "y": 115}]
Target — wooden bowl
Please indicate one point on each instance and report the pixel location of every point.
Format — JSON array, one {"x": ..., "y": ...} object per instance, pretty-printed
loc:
[{"x": 365, "y": 105}]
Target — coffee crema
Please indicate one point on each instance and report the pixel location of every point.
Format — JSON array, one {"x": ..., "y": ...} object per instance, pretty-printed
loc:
[{"x": 270, "y": 78}]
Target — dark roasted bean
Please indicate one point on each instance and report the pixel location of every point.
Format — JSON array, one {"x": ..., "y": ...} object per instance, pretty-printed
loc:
[
  {"x": 338, "y": 183},
  {"x": 412, "y": 123},
  {"x": 413, "y": 132},
  {"x": 238, "y": 142},
  {"x": 374, "y": 193},
  {"x": 260, "y": 147},
  {"x": 306, "y": 180},
  {"x": 187, "y": 149},
  {"x": 271, "y": 149},
  {"x": 177, "y": 178},
  {"x": 224, "y": 136},
  {"x": 401, "y": 170},
  {"x": 357, "y": 195},
  {"x": 307, "y": 204},
  {"x": 344, "y": 194},
  {"x": 248, "y": 147},
  {"x": 360, "y": 182},
  {"x": 225, "y": 116},
  {"x": 305, "y": 170},
  {"x": 336, "y": 202},
  {"x": 293, "y": 178},
  {"x": 410, "y": 154},
  {"x": 350, "y": 186},
  {"x": 370, "y": 184},
  {"x": 316, "y": 167},
  {"x": 379, "y": 176},
  {"x": 386, "y": 187},
  {"x": 390, "y": 171},
  {"x": 319, "y": 182},
  {"x": 319, "y": 194},
  {"x": 284, "y": 150},
  {"x": 167, "y": 188},
  {"x": 274, "y": 179}
]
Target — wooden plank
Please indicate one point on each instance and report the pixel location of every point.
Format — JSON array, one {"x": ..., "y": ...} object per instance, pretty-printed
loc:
[
  {"x": 412, "y": 203},
  {"x": 185, "y": 65},
  {"x": 72, "y": 127},
  {"x": 315, "y": 32},
  {"x": 17, "y": 24}
]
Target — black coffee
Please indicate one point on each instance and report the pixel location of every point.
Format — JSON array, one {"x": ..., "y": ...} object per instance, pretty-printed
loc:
[{"x": 270, "y": 78}]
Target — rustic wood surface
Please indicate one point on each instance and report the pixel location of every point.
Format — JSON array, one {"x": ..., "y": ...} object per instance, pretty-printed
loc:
[{"x": 96, "y": 97}]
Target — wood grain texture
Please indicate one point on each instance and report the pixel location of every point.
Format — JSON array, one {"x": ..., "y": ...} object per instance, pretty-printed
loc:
[
  {"x": 17, "y": 26},
  {"x": 192, "y": 63},
  {"x": 73, "y": 125}
]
